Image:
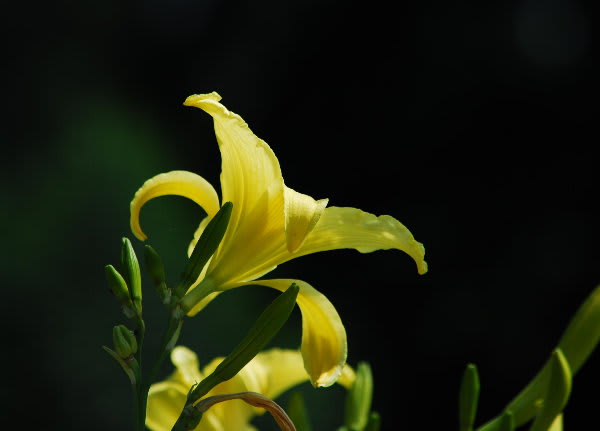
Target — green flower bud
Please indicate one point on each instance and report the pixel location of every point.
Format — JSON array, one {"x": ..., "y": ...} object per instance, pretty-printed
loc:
[
  {"x": 118, "y": 287},
  {"x": 131, "y": 269},
  {"x": 468, "y": 398},
  {"x": 156, "y": 268},
  {"x": 358, "y": 399},
  {"x": 155, "y": 265},
  {"x": 124, "y": 341}
]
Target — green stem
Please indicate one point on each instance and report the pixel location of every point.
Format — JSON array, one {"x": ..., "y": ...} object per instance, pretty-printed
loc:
[
  {"x": 139, "y": 405},
  {"x": 169, "y": 340},
  {"x": 136, "y": 401}
]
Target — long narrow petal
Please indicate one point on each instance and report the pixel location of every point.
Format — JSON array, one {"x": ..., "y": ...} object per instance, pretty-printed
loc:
[
  {"x": 365, "y": 232},
  {"x": 180, "y": 183},
  {"x": 249, "y": 170},
  {"x": 340, "y": 228},
  {"x": 324, "y": 346}
]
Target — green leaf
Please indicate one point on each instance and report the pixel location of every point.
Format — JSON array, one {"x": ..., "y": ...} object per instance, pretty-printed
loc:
[
  {"x": 557, "y": 392},
  {"x": 578, "y": 341},
  {"x": 583, "y": 333},
  {"x": 296, "y": 410},
  {"x": 131, "y": 271},
  {"x": 359, "y": 397},
  {"x": 205, "y": 247},
  {"x": 468, "y": 398},
  {"x": 507, "y": 422},
  {"x": 264, "y": 329}
]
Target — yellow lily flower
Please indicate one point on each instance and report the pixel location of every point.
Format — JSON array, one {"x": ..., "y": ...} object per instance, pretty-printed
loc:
[
  {"x": 271, "y": 224},
  {"x": 270, "y": 373}
]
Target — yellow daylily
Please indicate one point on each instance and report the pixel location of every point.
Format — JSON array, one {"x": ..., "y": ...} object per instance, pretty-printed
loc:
[
  {"x": 270, "y": 373},
  {"x": 271, "y": 224}
]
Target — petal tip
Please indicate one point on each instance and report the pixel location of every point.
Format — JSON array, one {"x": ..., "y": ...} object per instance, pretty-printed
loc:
[{"x": 197, "y": 99}]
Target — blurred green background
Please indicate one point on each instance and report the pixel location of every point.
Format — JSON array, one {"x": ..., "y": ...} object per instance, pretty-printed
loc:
[{"x": 467, "y": 121}]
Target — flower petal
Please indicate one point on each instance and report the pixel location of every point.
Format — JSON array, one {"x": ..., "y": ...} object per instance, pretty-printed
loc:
[
  {"x": 165, "y": 403},
  {"x": 324, "y": 346},
  {"x": 249, "y": 170},
  {"x": 180, "y": 183},
  {"x": 365, "y": 232},
  {"x": 282, "y": 369},
  {"x": 301, "y": 215},
  {"x": 186, "y": 362}
]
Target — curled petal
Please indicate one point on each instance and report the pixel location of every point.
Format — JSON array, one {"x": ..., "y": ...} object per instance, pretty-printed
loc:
[
  {"x": 301, "y": 215},
  {"x": 324, "y": 346},
  {"x": 179, "y": 183}
]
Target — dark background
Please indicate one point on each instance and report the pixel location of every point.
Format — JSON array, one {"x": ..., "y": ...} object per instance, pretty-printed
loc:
[{"x": 470, "y": 122}]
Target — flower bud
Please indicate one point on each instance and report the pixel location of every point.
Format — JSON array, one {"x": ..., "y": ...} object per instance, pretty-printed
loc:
[
  {"x": 118, "y": 287},
  {"x": 124, "y": 341},
  {"x": 131, "y": 269},
  {"x": 156, "y": 268}
]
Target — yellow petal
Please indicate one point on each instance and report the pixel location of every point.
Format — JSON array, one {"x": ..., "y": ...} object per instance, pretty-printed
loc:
[
  {"x": 250, "y": 179},
  {"x": 187, "y": 368},
  {"x": 282, "y": 369},
  {"x": 557, "y": 425},
  {"x": 365, "y": 232},
  {"x": 347, "y": 377},
  {"x": 301, "y": 215},
  {"x": 249, "y": 166},
  {"x": 234, "y": 414},
  {"x": 324, "y": 346},
  {"x": 180, "y": 183},
  {"x": 165, "y": 403}
]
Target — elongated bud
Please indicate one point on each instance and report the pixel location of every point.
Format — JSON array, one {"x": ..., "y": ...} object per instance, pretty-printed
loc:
[
  {"x": 374, "y": 423},
  {"x": 131, "y": 269},
  {"x": 468, "y": 398},
  {"x": 264, "y": 329},
  {"x": 118, "y": 287},
  {"x": 358, "y": 399},
  {"x": 296, "y": 409},
  {"x": 117, "y": 284},
  {"x": 205, "y": 247},
  {"x": 124, "y": 341},
  {"x": 154, "y": 264},
  {"x": 156, "y": 269}
]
